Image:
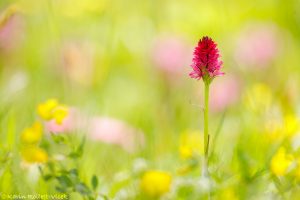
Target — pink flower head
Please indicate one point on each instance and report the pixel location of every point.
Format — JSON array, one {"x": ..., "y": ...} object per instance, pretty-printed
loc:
[{"x": 206, "y": 63}]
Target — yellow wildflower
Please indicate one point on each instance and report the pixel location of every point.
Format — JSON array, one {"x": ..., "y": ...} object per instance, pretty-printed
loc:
[
  {"x": 52, "y": 110},
  {"x": 45, "y": 110},
  {"x": 60, "y": 113},
  {"x": 33, "y": 154},
  {"x": 185, "y": 152},
  {"x": 281, "y": 162},
  {"x": 291, "y": 125},
  {"x": 191, "y": 144},
  {"x": 156, "y": 183},
  {"x": 273, "y": 129},
  {"x": 228, "y": 193},
  {"x": 276, "y": 129},
  {"x": 32, "y": 134},
  {"x": 296, "y": 171}
]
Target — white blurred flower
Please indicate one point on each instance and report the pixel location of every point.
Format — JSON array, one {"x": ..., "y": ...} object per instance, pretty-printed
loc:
[
  {"x": 296, "y": 142},
  {"x": 139, "y": 165},
  {"x": 16, "y": 83},
  {"x": 59, "y": 157},
  {"x": 121, "y": 176},
  {"x": 33, "y": 174},
  {"x": 123, "y": 194},
  {"x": 204, "y": 184}
]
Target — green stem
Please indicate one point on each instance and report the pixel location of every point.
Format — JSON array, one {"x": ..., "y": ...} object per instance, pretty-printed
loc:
[{"x": 206, "y": 135}]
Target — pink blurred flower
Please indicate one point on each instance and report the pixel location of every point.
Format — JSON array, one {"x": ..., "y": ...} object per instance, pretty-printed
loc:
[
  {"x": 206, "y": 60},
  {"x": 104, "y": 129},
  {"x": 71, "y": 123},
  {"x": 11, "y": 33},
  {"x": 224, "y": 93},
  {"x": 257, "y": 45},
  {"x": 78, "y": 61},
  {"x": 169, "y": 54},
  {"x": 53, "y": 127},
  {"x": 113, "y": 131}
]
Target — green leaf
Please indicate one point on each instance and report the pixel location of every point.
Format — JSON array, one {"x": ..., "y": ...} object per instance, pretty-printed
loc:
[
  {"x": 58, "y": 139},
  {"x": 74, "y": 155},
  {"x": 51, "y": 167},
  {"x": 82, "y": 189},
  {"x": 59, "y": 189},
  {"x": 63, "y": 171},
  {"x": 73, "y": 172},
  {"x": 64, "y": 181},
  {"x": 4, "y": 157},
  {"x": 94, "y": 182},
  {"x": 41, "y": 170},
  {"x": 81, "y": 146},
  {"x": 79, "y": 151},
  {"x": 47, "y": 177},
  {"x": 45, "y": 144}
]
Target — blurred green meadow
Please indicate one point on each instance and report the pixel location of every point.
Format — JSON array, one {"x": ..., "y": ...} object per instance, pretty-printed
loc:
[{"x": 96, "y": 101}]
